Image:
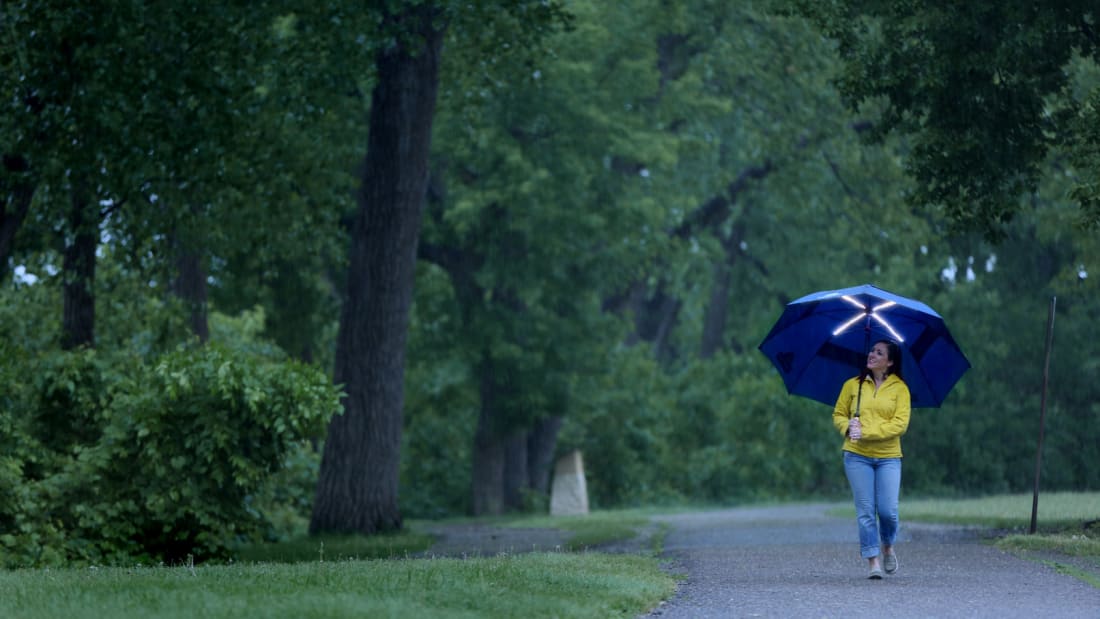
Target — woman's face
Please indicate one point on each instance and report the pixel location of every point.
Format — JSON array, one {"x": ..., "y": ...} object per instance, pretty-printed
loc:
[{"x": 878, "y": 360}]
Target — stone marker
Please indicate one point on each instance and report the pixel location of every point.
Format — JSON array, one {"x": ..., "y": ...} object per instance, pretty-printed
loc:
[{"x": 569, "y": 494}]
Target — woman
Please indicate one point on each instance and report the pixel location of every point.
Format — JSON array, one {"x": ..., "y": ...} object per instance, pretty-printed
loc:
[{"x": 872, "y": 412}]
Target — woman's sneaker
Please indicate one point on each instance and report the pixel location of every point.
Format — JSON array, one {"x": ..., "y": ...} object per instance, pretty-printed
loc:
[{"x": 890, "y": 563}]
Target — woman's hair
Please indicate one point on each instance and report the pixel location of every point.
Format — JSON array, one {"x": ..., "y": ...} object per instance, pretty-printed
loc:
[{"x": 893, "y": 353}]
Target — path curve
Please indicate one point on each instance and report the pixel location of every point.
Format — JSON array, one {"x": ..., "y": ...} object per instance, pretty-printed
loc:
[{"x": 797, "y": 561}]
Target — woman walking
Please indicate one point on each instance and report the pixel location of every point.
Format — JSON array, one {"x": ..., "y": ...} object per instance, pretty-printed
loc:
[{"x": 872, "y": 413}]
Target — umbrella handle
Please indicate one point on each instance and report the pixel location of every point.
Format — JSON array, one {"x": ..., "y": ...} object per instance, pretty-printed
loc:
[
  {"x": 859, "y": 400},
  {"x": 859, "y": 395}
]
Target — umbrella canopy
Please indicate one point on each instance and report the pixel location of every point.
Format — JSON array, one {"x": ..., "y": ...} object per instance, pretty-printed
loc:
[{"x": 822, "y": 340}]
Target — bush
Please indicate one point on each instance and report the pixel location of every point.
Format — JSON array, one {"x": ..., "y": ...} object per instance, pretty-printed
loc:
[
  {"x": 161, "y": 461},
  {"x": 711, "y": 431}
]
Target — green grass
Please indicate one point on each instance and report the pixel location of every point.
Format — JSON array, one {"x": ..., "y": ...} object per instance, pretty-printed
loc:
[
  {"x": 1057, "y": 512},
  {"x": 338, "y": 576},
  {"x": 586, "y": 532},
  {"x": 1090, "y": 578},
  {"x": 337, "y": 548},
  {"x": 529, "y": 585},
  {"x": 593, "y": 529},
  {"x": 1074, "y": 545}
]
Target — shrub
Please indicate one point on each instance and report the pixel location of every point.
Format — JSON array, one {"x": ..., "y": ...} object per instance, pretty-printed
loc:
[{"x": 165, "y": 459}]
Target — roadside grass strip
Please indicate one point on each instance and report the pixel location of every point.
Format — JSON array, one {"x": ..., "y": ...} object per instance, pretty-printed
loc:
[
  {"x": 528, "y": 585},
  {"x": 1075, "y": 545},
  {"x": 1082, "y": 575},
  {"x": 1057, "y": 511}
]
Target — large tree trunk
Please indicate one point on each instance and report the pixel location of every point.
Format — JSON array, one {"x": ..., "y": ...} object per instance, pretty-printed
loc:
[
  {"x": 357, "y": 489},
  {"x": 78, "y": 269},
  {"x": 541, "y": 444}
]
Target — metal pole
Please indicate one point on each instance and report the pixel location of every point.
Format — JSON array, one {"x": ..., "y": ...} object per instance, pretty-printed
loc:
[{"x": 1042, "y": 417}]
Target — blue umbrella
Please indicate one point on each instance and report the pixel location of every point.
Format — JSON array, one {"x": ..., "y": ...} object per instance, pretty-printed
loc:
[{"x": 822, "y": 339}]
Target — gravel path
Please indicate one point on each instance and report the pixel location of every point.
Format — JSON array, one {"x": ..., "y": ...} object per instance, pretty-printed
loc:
[{"x": 796, "y": 561}]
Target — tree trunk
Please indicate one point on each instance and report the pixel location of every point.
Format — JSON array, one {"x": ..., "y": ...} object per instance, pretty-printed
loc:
[
  {"x": 292, "y": 320},
  {"x": 654, "y": 318},
  {"x": 515, "y": 474},
  {"x": 716, "y": 315},
  {"x": 717, "y": 310},
  {"x": 78, "y": 268},
  {"x": 541, "y": 444},
  {"x": 190, "y": 287},
  {"x": 357, "y": 488},
  {"x": 15, "y": 204},
  {"x": 487, "y": 480}
]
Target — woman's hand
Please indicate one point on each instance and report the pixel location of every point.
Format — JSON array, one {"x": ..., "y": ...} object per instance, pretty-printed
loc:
[{"x": 855, "y": 431}]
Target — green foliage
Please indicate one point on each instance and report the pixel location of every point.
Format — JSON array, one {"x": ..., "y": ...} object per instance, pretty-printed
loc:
[
  {"x": 164, "y": 460},
  {"x": 564, "y": 173},
  {"x": 980, "y": 89},
  {"x": 619, "y": 432},
  {"x": 566, "y": 186},
  {"x": 999, "y": 318},
  {"x": 716, "y": 431},
  {"x": 441, "y": 406},
  {"x": 285, "y": 498}
]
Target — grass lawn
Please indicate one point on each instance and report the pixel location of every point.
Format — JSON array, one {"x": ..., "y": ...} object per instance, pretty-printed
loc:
[
  {"x": 529, "y": 585},
  {"x": 355, "y": 576},
  {"x": 599, "y": 527}
]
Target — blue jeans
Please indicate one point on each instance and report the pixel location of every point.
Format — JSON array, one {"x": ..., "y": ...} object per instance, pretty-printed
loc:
[{"x": 876, "y": 483}]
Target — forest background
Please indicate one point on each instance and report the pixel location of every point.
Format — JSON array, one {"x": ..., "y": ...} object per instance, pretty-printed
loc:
[{"x": 206, "y": 210}]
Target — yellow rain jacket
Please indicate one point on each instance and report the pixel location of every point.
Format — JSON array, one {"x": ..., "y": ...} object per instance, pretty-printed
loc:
[{"x": 883, "y": 416}]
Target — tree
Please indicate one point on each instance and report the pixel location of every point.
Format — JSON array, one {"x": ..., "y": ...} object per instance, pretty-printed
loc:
[
  {"x": 530, "y": 216},
  {"x": 360, "y": 469},
  {"x": 981, "y": 89},
  {"x": 606, "y": 181},
  {"x": 362, "y": 444}
]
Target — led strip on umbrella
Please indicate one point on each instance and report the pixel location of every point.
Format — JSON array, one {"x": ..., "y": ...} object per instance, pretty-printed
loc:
[{"x": 869, "y": 312}]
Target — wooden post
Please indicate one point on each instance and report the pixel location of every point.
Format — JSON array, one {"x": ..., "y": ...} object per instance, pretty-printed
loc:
[{"x": 1042, "y": 417}]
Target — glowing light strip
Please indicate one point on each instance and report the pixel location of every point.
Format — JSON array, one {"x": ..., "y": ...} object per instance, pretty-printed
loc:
[
  {"x": 848, "y": 324},
  {"x": 897, "y": 336},
  {"x": 854, "y": 302},
  {"x": 872, "y": 314}
]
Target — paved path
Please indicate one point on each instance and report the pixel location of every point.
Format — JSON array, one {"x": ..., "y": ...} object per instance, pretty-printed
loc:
[{"x": 796, "y": 561}]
